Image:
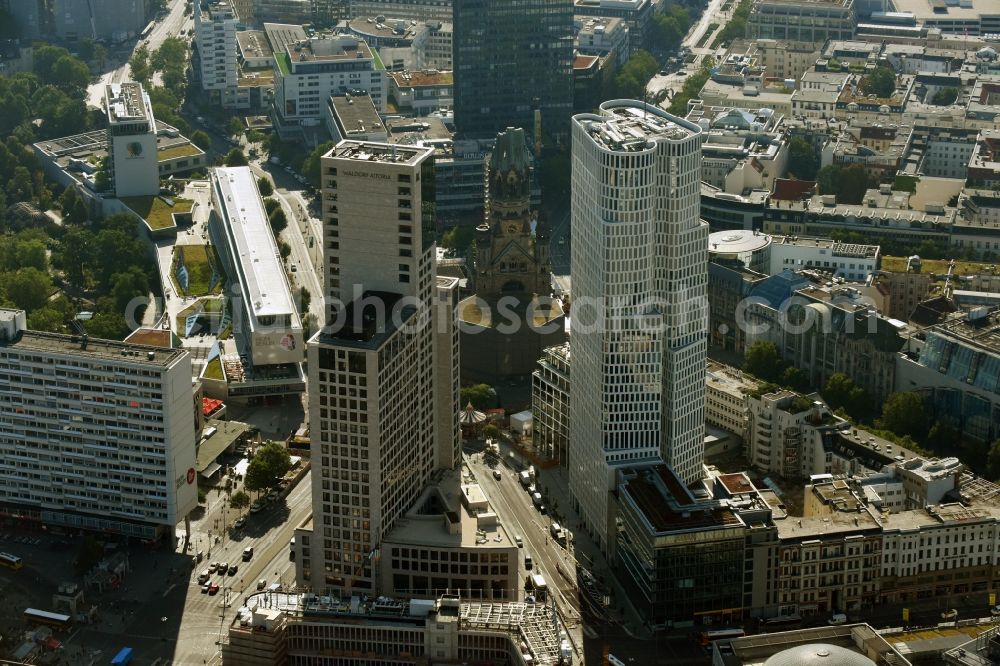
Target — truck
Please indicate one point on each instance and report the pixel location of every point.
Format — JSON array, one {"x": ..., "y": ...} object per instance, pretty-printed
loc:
[
  {"x": 536, "y": 499},
  {"x": 525, "y": 478}
]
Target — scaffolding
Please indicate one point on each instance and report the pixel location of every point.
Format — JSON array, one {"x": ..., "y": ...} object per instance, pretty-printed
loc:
[{"x": 535, "y": 626}]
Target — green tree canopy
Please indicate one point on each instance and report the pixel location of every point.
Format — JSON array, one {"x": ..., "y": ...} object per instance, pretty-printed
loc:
[
  {"x": 268, "y": 466},
  {"x": 482, "y": 396},
  {"x": 201, "y": 139},
  {"x": 234, "y": 126},
  {"x": 903, "y": 413},
  {"x": 945, "y": 97},
  {"x": 28, "y": 288},
  {"x": 311, "y": 165},
  {"x": 802, "y": 159},
  {"x": 278, "y": 220},
  {"x": 235, "y": 158},
  {"x": 881, "y": 82},
  {"x": 763, "y": 361},
  {"x": 265, "y": 187},
  {"x": 142, "y": 70},
  {"x": 239, "y": 500}
]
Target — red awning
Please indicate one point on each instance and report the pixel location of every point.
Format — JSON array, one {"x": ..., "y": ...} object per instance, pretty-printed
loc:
[{"x": 210, "y": 405}]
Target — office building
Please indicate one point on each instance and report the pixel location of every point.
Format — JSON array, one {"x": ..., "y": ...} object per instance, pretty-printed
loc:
[
  {"x": 513, "y": 67},
  {"x": 286, "y": 11},
  {"x": 114, "y": 21},
  {"x": 132, "y": 157},
  {"x": 309, "y": 70},
  {"x": 377, "y": 429},
  {"x": 411, "y": 10},
  {"x": 639, "y": 265},
  {"x": 266, "y": 325},
  {"x": 550, "y": 404},
  {"x": 215, "y": 36},
  {"x": 94, "y": 434},
  {"x": 955, "y": 365},
  {"x": 686, "y": 561},
  {"x": 813, "y": 21},
  {"x": 282, "y": 629},
  {"x": 637, "y": 15}
]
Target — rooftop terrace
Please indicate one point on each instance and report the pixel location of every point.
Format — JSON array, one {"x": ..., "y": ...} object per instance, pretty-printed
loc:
[{"x": 626, "y": 126}]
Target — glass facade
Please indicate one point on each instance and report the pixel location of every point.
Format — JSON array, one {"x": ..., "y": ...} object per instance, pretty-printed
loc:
[{"x": 512, "y": 56}]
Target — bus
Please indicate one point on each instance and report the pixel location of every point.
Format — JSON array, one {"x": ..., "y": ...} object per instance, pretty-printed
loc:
[
  {"x": 147, "y": 30},
  {"x": 719, "y": 634},
  {"x": 57, "y": 620},
  {"x": 11, "y": 561},
  {"x": 782, "y": 623}
]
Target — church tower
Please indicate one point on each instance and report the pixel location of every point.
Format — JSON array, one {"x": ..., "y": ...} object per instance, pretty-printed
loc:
[{"x": 512, "y": 247}]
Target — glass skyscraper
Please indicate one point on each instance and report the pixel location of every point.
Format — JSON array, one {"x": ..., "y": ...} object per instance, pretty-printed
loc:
[{"x": 511, "y": 57}]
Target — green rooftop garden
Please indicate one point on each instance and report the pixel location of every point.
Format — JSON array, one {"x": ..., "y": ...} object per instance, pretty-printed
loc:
[
  {"x": 184, "y": 150},
  {"x": 202, "y": 264},
  {"x": 156, "y": 211},
  {"x": 214, "y": 370},
  {"x": 378, "y": 61},
  {"x": 284, "y": 63}
]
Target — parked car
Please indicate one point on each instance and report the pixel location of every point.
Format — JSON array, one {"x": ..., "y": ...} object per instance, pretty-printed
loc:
[
  {"x": 837, "y": 618},
  {"x": 204, "y": 576},
  {"x": 213, "y": 588},
  {"x": 204, "y": 588},
  {"x": 519, "y": 541},
  {"x": 497, "y": 475},
  {"x": 261, "y": 584},
  {"x": 273, "y": 496},
  {"x": 214, "y": 567},
  {"x": 256, "y": 507},
  {"x": 949, "y": 614},
  {"x": 240, "y": 522},
  {"x": 233, "y": 569}
]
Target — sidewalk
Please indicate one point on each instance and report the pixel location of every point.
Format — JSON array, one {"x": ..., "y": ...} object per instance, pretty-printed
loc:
[{"x": 554, "y": 484}]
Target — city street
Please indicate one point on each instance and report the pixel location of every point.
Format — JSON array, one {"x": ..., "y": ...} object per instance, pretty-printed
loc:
[{"x": 170, "y": 26}]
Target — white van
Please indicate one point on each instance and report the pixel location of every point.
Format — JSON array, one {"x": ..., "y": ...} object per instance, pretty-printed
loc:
[{"x": 838, "y": 618}]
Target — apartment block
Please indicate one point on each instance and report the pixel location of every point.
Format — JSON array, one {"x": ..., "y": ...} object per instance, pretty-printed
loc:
[
  {"x": 308, "y": 70},
  {"x": 95, "y": 434},
  {"x": 215, "y": 25}
]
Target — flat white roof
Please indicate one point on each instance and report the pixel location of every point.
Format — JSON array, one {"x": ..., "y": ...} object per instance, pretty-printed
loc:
[
  {"x": 737, "y": 240},
  {"x": 245, "y": 217}
]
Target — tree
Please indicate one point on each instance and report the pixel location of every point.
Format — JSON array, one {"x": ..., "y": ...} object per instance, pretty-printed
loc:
[
  {"x": 853, "y": 184},
  {"x": 269, "y": 465},
  {"x": 265, "y": 187},
  {"x": 993, "y": 461},
  {"x": 20, "y": 187},
  {"x": 71, "y": 75},
  {"x": 28, "y": 288},
  {"x": 142, "y": 71},
  {"x": 491, "y": 431},
  {"x": 903, "y": 413},
  {"x": 802, "y": 160},
  {"x": 762, "y": 361},
  {"x": 234, "y": 126},
  {"x": 235, "y": 158},
  {"x": 201, "y": 139},
  {"x": 482, "y": 396},
  {"x": 794, "y": 379},
  {"x": 239, "y": 500},
  {"x": 108, "y": 325},
  {"x": 89, "y": 555},
  {"x": 278, "y": 221},
  {"x": 305, "y": 299},
  {"x": 459, "y": 237},
  {"x": 881, "y": 82},
  {"x": 311, "y": 164},
  {"x": 828, "y": 179},
  {"x": 128, "y": 285},
  {"x": 945, "y": 97}
]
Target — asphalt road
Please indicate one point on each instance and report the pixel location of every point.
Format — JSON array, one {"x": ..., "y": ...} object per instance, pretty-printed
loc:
[{"x": 170, "y": 26}]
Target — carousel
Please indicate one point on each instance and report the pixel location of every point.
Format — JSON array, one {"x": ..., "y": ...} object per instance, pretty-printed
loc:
[{"x": 472, "y": 422}]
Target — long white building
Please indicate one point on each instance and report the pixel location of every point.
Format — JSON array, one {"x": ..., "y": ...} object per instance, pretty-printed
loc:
[
  {"x": 639, "y": 265},
  {"x": 94, "y": 434},
  {"x": 383, "y": 390},
  {"x": 266, "y": 324}
]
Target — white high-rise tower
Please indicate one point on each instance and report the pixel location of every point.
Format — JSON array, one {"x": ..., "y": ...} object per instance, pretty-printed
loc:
[
  {"x": 639, "y": 268},
  {"x": 215, "y": 34}
]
